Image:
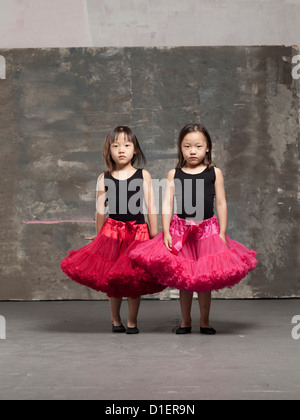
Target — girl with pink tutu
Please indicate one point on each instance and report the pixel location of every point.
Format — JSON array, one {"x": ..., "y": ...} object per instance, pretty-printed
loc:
[
  {"x": 194, "y": 253},
  {"x": 103, "y": 264}
]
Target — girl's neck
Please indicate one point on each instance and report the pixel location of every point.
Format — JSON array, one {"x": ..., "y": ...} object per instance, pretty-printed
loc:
[
  {"x": 195, "y": 169},
  {"x": 127, "y": 167},
  {"x": 125, "y": 170}
]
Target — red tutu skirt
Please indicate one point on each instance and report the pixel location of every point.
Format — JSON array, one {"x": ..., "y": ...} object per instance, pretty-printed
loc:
[
  {"x": 104, "y": 264},
  {"x": 200, "y": 261}
]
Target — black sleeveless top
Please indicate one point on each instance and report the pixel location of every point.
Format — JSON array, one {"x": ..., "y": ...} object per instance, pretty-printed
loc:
[
  {"x": 125, "y": 197},
  {"x": 189, "y": 193}
]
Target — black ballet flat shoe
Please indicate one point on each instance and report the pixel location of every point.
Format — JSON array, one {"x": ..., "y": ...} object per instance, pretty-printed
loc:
[
  {"x": 208, "y": 331},
  {"x": 118, "y": 329},
  {"x": 184, "y": 330},
  {"x": 132, "y": 330}
]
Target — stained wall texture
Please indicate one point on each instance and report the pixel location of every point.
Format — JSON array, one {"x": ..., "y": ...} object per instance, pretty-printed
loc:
[
  {"x": 147, "y": 23},
  {"x": 59, "y": 104}
]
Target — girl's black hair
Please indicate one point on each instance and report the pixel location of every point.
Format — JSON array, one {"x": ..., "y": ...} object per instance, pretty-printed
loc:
[
  {"x": 138, "y": 159},
  {"x": 189, "y": 128}
]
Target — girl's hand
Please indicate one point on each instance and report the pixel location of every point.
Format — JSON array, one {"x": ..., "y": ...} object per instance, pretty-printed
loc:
[
  {"x": 91, "y": 238},
  {"x": 223, "y": 237},
  {"x": 168, "y": 241}
]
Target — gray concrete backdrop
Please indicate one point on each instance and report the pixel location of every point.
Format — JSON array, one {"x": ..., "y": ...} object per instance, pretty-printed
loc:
[
  {"x": 66, "y": 351},
  {"x": 59, "y": 104},
  {"x": 148, "y": 23},
  {"x": 192, "y": 22}
]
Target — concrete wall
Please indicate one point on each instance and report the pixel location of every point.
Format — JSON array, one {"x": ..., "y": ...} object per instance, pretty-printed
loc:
[
  {"x": 148, "y": 23},
  {"x": 57, "y": 107}
]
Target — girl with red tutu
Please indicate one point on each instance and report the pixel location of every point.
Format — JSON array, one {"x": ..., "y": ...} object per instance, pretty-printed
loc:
[
  {"x": 194, "y": 253},
  {"x": 103, "y": 264}
]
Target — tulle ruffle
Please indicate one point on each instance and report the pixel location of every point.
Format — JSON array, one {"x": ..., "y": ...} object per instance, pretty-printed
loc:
[
  {"x": 203, "y": 262},
  {"x": 104, "y": 264},
  {"x": 126, "y": 278}
]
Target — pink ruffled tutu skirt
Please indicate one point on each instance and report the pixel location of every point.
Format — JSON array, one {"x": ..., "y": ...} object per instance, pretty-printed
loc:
[
  {"x": 200, "y": 261},
  {"x": 104, "y": 263}
]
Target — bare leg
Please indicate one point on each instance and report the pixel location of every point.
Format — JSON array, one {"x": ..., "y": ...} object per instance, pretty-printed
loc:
[
  {"x": 115, "y": 306},
  {"x": 204, "y": 303},
  {"x": 186, "y": 300},
  {"x": 133, "y": 308}
]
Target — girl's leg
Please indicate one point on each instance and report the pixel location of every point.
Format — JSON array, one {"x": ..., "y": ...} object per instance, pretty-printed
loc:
[
  {"x": 115, "y": 306},
  {"x": 186, "y": 300},
  {"x": 204, "y": 303},
  {"x": 133, "y": 309}
]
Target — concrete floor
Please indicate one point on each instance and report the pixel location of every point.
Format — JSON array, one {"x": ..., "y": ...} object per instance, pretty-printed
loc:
[{"x": 66, "y": 351}]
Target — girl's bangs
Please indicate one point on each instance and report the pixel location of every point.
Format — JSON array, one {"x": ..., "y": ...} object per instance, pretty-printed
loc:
[{"x": 128, "y": 136}]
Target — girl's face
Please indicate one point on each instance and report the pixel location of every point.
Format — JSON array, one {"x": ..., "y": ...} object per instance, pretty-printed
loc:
[
  {"x": 122, "y": 150},
  {"x": 194, "y": 148}
]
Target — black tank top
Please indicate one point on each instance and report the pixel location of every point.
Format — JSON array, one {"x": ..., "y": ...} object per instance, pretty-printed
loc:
[
  {"x": 125, "y": 197},
  {"x": 187, "y": 194}
]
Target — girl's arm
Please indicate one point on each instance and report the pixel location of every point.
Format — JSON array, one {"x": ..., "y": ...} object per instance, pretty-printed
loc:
[
  {"x": 150, "y": 203},
  {"x": 167, "y": 209},
  {"x": 221, "y": 204},
  {"x": 100, "y": 205}
]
